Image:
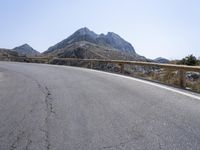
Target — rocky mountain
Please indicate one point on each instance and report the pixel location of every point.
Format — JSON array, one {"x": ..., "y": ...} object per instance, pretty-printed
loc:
[
  {"x": 26, "y": 50},
  {"x": 161, "y": 60},
  {"x": 84, "y": 39},
  {"x": 87, "y": 50}
]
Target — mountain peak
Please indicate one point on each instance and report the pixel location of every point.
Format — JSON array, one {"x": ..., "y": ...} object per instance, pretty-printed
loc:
[
  {"x": 23, "y": 46},
  {"x": 111, "y": 40},
  {"x": 85, "y": 32},
  {"x": 26, "y": 49},
  {"x": 84, "y": 29},
  {"x": 26, "y": 45}
]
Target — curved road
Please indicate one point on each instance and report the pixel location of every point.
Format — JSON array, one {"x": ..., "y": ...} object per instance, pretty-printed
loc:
[{"x": 44, "y": 107}]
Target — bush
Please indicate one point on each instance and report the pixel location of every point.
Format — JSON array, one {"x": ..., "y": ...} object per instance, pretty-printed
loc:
[{"x": 189, "y": 60}]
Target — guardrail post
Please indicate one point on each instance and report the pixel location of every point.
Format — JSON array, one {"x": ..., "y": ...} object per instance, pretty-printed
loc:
[
  {"x": 8, "y": 58},
  {"x": 121, "y": 68},
  {"x": 91, "y": 64},
  {"x": 48, "y": 60},
  {"x": 182, "y": 78}
]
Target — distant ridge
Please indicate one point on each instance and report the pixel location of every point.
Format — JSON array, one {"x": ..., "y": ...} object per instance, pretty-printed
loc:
[
  {"x": 161, "y": 60},
  {"x": 26, "y": 50}
]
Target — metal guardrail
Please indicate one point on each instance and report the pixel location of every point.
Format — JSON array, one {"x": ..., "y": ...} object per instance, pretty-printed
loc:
[
  {"x": 26, "y": 59},
  {"x": 181, "y": 68},
  {"x": 139, "y": 63}
]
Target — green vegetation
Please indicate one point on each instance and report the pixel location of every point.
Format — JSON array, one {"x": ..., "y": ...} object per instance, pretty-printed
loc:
[{"x": 190, "y": 61}]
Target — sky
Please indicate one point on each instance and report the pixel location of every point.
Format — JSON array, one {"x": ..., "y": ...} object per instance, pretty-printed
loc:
[{"x": 156, "y": 28}]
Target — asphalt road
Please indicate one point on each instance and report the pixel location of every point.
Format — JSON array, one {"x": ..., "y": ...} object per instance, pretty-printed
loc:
[{"x": 44, "y": 107}]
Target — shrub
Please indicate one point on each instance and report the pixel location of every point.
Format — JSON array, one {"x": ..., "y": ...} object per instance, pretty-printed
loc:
[{"x": 189, "y": 60}]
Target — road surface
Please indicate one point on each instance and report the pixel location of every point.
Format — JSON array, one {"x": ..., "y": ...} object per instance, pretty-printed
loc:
[{"x": 44, "y": 107}]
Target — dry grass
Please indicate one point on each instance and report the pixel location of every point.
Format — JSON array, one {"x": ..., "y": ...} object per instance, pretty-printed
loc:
[
  {"x": 166, "y": 76},
  {"x": 193, "y": 85}
]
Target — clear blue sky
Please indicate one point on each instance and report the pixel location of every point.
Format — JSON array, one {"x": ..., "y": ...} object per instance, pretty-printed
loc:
[{"x": 167, "y": 28}]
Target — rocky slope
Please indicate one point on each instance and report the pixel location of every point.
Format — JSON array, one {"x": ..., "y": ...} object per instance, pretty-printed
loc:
[
  {"x": 9, "y": 55},
  {"x": 87, "y": 50},
  {"x": 7, "y": 52}
]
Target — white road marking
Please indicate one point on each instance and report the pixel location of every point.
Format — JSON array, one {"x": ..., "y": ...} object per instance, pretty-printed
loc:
[
  {"x": 151, "y": 83},
  {"x": 140, "y": 80}
]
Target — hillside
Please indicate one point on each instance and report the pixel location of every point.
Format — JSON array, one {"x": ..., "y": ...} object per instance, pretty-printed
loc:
[
  {"x": 87, "y": 50},
  {"x": 8, "y": 53}
]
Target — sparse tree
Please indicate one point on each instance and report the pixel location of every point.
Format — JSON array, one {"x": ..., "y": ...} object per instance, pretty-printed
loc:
[{"x": 189, "y": 60}]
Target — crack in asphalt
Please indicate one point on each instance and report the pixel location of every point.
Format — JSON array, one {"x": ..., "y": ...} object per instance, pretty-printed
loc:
[
  {"x": 49, "y": 109},
  {"x": 48, "y": 101},
  {"x": 49, "y": 112}
]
